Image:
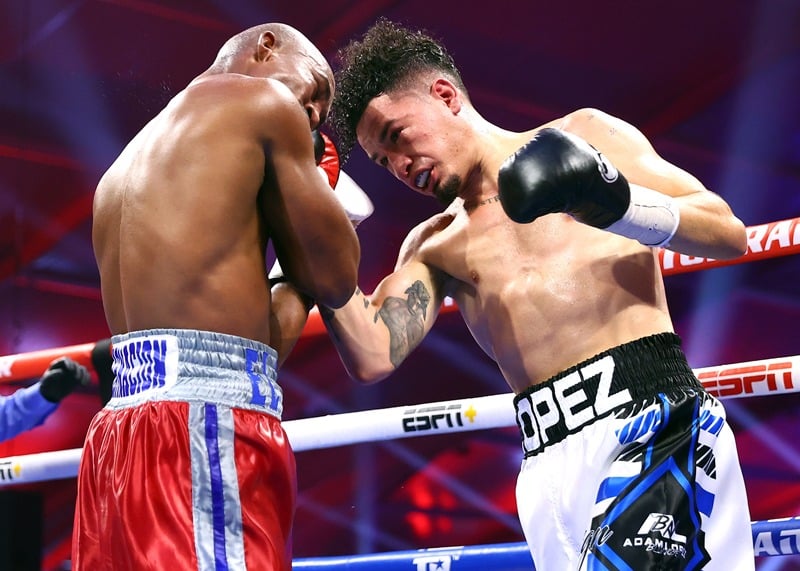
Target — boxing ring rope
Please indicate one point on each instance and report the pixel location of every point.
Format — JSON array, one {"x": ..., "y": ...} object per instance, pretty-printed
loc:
[
  {"x": 764, "y": 241},
  {"x": 31, "y": 365},
  {"x": 754, "y": 378}
]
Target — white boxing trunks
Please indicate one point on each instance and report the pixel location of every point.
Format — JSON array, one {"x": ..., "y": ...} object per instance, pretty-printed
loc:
[
  {"x": 630, "y": 465},
  {"x": 187, "y": 466}
]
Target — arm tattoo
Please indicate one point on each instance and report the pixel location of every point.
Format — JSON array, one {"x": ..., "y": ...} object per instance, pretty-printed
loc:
[{"x": 405, "y": 319}]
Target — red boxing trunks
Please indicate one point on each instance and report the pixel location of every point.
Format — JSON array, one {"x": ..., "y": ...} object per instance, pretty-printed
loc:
[
  {"x": 629, "y": 464},
  {"x": 187, "y": 466}
]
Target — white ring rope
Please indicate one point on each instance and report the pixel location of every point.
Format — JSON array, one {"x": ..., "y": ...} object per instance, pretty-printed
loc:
[{"x": 751, "y": 378}]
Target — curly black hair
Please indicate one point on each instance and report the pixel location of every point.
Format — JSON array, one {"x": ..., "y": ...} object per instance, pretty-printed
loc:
[{"x": 385, "y": 58}]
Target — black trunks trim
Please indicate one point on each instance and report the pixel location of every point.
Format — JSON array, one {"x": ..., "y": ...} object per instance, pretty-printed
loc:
[{"x": 563, "y": 404}]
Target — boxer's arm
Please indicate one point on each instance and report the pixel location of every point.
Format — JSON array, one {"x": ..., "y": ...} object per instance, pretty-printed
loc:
[
  {"x": 288, "y": 316},
  {"x": 312, "y": 236},
  {"x": 375, "y": 333},
  {"x": 707, "y": 226},
  {"x": 289, "y": 308}
]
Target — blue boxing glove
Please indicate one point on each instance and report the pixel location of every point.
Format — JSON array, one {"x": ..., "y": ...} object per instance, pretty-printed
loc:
[{"x": 559, "y": 172}]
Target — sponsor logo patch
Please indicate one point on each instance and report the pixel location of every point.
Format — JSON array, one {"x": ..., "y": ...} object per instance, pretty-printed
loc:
[
  {"x": 658, "y": 534},
  {"x": 437, "y": 417}
]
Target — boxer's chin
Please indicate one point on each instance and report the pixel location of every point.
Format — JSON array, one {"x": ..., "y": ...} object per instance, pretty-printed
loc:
[{"x": 447, "y": 191}]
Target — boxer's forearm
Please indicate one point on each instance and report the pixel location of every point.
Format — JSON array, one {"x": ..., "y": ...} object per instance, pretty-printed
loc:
[
  {"x": 708, "y": 228},
  {"x": 706, "y": 225},
  {"x": 288, "y": 316},
  {"x": 363, "y": 342}
]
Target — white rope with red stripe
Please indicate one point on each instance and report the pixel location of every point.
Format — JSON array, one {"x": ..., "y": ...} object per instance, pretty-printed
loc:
[{"x": 752, "y": 378}]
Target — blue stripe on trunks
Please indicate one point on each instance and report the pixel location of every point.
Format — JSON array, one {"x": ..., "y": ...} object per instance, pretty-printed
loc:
[
  {"x": 217, "y": 496},
  {"x": 216, "y": 508}
]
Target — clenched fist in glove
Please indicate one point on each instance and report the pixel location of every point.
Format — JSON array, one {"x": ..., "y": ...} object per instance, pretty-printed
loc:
[
  {"x": 61, "y": 378},
  {"x": 352, "y": 197},
  {"x": 559, "y": 172}
]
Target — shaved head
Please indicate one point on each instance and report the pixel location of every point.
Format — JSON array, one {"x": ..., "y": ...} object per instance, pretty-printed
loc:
[{"x": 244, "y": 44}]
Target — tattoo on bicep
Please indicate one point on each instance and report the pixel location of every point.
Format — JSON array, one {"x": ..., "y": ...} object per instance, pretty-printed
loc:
[{"x": 405, "y": 319}]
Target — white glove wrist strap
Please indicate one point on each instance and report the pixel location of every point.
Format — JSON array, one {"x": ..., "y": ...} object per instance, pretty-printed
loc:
[{"x": 652, "y": 218}]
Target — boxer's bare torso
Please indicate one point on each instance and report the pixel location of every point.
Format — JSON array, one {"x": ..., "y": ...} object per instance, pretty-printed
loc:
[
  {"x": 541, "y": 297},
  {"x": 179, "y": 240},
  {"x": 538, "y": 297},
  {"x": 183, "y": 217}
]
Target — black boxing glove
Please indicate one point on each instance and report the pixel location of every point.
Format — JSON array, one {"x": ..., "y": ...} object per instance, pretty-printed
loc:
[
  {"x": 61, "y": 378},
  {"x": 559, "y": 172}
]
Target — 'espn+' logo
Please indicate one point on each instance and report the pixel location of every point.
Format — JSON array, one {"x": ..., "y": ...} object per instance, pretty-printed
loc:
[
  {"x": 742, "y": 380},
  {"x": 437, "y": 417},
  {"x": 8, "y": 471}
]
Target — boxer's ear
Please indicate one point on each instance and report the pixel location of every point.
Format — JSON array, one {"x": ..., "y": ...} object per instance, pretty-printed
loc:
[
  {"x": 444, "y": 90},
  {"x": 266, "y": 43}
]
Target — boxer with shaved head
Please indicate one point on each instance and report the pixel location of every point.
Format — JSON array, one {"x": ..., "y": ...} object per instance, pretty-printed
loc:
[{"x": 187, "y": 466}]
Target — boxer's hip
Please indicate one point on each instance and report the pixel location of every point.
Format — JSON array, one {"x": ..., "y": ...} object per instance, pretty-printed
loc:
[
  {"x": 599, "y": 386},
  {"x": 190, "y": 366}
]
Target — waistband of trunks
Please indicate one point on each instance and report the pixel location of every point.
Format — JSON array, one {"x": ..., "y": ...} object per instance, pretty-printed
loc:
[
  {"x": 547, "y": 412},
  {"x": 194, "y": 366}
]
